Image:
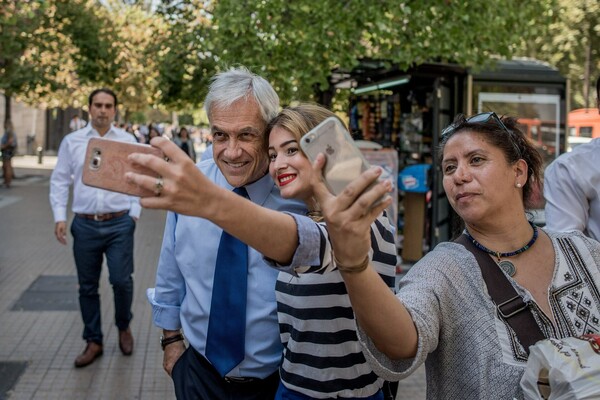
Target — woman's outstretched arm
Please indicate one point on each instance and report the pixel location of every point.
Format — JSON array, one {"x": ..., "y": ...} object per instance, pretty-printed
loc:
[{"x": 349, "y": 216}]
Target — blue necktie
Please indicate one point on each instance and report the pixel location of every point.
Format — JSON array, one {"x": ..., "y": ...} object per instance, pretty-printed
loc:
[{"x": 225, "y": 340}]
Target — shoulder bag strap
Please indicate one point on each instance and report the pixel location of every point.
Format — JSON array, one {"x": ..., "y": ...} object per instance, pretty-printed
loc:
[{"x": 509, "y": 303}]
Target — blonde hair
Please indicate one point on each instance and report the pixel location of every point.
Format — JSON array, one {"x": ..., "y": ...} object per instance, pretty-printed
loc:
[{"x": 298, "y": 120}]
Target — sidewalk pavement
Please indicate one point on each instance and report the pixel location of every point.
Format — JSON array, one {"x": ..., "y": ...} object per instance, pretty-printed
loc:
[
  {"x": 40, "y": 323},
  {"x": 32, "y": 165}
]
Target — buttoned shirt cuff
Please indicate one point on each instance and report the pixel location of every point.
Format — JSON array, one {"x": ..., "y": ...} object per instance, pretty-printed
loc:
[
  {"x": 135, "y": 210},
  {"x": 309, "y": 244},
  {"x": 164, "y": 316},
  {"x": 60, "y": 215}
]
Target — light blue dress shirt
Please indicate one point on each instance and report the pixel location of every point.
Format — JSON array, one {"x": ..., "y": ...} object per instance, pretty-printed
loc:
[
  {"x": 69, "y": 169},
  {"x": 183, "y": 292}
]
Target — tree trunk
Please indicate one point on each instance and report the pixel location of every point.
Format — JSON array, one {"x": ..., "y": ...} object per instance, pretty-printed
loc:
[
  {"x": 7, "y": 107},
  {"x": 586, "y": 72},
  {"x": 324, "y": 97}
]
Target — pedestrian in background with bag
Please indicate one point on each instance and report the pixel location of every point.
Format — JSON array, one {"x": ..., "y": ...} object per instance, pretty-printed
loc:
[
  {"x": 8, "y": 146},
  {"x": 448, "y": 313}
]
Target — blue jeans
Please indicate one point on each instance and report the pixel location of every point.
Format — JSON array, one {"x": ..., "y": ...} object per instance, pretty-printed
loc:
[
  {"x": 91, "y": 240},
  {"x": 284, "y": 393}
]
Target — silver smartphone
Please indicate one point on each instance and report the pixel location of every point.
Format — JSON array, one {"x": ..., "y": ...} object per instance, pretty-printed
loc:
[{"x": 345, "y": 161}]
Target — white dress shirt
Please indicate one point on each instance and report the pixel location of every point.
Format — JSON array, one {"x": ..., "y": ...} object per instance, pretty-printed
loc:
[
  {"x": 572, "y": 191},
  {"x": 68, "y": 170}
]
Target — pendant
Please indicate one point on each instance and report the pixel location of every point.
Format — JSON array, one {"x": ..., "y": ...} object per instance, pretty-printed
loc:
[{"x": 508, "y": 267}]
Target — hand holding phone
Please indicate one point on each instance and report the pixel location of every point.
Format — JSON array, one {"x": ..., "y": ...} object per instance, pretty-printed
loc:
[
  {"x": 345, "y": 161},
  {"x": 106, "y": 162}
]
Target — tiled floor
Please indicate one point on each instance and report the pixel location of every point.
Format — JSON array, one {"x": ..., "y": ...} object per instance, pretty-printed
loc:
[{"x": 49, "y": 341}]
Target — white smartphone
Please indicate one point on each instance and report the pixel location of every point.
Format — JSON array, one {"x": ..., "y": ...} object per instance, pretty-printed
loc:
[{"x": 345, "y": 161}]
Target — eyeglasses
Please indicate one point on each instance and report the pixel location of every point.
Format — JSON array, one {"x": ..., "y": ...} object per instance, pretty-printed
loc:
[{"x": 482, "y": 118}]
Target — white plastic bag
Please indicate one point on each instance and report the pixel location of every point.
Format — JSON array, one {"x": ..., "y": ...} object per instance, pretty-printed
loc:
[{"x": 561, "y": 369}]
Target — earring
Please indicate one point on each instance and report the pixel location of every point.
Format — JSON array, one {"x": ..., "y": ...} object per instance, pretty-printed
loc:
[{"x": 518, "y": 185}]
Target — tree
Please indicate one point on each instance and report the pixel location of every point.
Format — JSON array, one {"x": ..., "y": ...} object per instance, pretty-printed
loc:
[
  {"x": 135, "y": 65},
  {"x": 572, "y": 44},
  {"x": 55, "y": 52},
  {"x": 48, "y": 48},
  {"x": 184, "y": 51},
  {"x": 20, "y": 25},
  {"x": 296, "y": 44}
]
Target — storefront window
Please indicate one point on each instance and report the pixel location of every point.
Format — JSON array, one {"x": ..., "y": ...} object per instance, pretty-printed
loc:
[{"x": 539, "y": 115}]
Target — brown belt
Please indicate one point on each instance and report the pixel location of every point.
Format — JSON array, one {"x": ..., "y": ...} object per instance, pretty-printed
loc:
[{"x": 103, "y": 217}]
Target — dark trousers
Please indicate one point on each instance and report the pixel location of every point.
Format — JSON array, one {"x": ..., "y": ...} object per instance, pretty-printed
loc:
[
  {"x": 91, "y": 241},
  {"x": 390, "y": 390},
  {"x": 195, "y": 378}
]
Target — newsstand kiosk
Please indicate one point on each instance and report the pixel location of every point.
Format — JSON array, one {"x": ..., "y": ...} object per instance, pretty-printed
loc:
[{"x": 405, "y": 110}]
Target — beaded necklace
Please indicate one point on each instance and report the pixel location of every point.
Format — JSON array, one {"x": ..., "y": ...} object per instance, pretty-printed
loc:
[{"x": 506, "y": 265}]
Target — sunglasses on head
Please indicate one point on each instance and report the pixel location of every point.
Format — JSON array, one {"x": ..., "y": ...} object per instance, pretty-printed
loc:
[{"x": 482, "y": 118}]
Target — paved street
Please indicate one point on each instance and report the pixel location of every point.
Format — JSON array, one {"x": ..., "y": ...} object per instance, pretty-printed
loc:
[{"x": 40, "y": 325}]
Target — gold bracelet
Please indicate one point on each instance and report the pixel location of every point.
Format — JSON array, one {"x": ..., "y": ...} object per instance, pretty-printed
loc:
[{"x": 353, "y": 268}]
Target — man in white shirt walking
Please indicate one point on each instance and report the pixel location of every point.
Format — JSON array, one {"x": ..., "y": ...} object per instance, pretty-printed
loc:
[{"x": 104, "y": 224}]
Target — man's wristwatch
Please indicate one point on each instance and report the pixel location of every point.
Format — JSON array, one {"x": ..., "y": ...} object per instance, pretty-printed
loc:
[{"x": 165, "y": 341}]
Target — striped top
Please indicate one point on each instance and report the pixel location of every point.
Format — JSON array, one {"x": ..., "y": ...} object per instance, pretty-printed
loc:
[{"x": 322, "y": 357}]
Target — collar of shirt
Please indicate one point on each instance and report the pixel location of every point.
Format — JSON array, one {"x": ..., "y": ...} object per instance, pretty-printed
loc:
[
  {"x": 91, "y": 132},
  {"x": 259, "y": 190},
  {"x": 69, "y": 168}
]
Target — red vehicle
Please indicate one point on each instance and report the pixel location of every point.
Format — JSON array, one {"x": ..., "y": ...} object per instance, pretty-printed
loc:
[
  {"x": 584, "y": 125},
  {"x": 584, "y": 122},
  {"x": 542, "y": 134}
]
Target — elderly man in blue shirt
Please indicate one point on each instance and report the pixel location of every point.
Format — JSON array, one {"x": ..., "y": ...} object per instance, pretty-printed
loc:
[{"x": 239, "y": 105}]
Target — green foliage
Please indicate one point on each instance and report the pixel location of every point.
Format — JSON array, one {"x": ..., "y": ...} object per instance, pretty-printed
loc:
[
  {"x": 186, "y": 119},
  {"x": 20, "y": 23},
  {"x": 55, "y": 51},
  {"x": 185, "y": 62},
  {"x": 574, "y": 30},
  {"x": 47, "y": 62},
  {"x": 135, "y": 65},
  {"x": 92, "y": 32},
  {"x": 296, "y": 44}
]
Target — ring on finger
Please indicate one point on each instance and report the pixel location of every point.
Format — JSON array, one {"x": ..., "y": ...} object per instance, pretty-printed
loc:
[{"x": 158, "y": 186}]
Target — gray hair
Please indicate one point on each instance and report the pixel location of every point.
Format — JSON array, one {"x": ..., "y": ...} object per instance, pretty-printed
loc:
[{"x": 237, "y": 83}]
